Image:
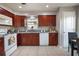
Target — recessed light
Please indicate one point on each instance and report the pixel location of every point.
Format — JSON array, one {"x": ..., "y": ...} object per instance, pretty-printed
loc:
[
  {"x": 20, "y": 6},
  {"x": 47, "y": 6}
]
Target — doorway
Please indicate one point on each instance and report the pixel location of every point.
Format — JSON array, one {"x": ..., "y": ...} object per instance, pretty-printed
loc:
[{"x": 68, "y": 25}]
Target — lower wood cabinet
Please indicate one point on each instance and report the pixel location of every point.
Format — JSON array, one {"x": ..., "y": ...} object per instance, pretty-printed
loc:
[
  {"x": 28, "y": 39},
  {"x": 32, "y": 39},
  {"x": 2, "y": 46},
  {"x": 53, "y": 39},
  {"x": 19, "y": 39}
]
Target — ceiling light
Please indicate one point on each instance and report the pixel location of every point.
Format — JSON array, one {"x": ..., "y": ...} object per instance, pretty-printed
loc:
[
  {"x": 20, "y": 6},
  {"x": 47, "y": 6}
]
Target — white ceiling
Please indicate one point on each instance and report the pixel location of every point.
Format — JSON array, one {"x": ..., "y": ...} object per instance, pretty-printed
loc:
[{"x": 36, "y": 7}]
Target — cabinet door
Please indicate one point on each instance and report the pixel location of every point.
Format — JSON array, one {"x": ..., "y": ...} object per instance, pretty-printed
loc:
[
  {"x": 26, "y": 39},
  {"x": 19, "y": 39},
  {"x": 35, "y": 38},
  {"x": 22, "y": 20},
  {"x": 18, "y": 21},
  {"x": 30, "y": 39},
  {"x": 1, "y": 46},
  {"x": 47, "y": 20},
  {"x": 53, "y": 39},
  {"x": 43, "y": 20},
  {"x": 53, "y": 20}
]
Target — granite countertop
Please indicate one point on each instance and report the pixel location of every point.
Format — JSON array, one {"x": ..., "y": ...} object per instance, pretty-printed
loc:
[{"x": 37, "y": 32}]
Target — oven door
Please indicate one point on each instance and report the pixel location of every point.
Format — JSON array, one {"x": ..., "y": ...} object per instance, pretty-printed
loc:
[{"x": 9, "y": 41}]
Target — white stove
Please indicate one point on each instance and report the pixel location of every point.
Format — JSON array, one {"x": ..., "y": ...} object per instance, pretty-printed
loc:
[{"x": 10, "y": 43}]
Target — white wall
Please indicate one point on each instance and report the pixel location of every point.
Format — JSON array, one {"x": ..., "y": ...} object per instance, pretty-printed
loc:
[
  {"x": 59, "y": 22},
  {"x": 77, "y": 18},
  {"x": 77, "y": 12}
]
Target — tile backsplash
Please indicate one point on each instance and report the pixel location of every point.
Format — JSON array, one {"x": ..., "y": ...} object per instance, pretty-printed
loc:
[{"x": 24, "y": 29}]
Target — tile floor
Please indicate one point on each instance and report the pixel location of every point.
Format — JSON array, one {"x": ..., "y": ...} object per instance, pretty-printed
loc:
[{"x": 40, "y": 51}]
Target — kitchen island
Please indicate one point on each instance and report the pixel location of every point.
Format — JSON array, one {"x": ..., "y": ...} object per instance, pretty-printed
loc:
[{"x": 37, "y": 38}]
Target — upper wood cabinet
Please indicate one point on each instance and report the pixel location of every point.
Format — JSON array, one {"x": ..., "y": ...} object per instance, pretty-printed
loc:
[
  {"x": 7, "y": 16},
  {"x": 47, "y": 20},
  {"x": 18, "y": 21},
  {"x": 6, "y": 13}
]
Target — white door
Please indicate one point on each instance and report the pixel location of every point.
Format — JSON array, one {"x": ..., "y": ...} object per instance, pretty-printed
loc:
[{"x": 69, "y": 25}]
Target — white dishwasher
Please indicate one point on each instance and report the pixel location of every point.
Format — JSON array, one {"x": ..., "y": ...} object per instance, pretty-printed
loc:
[{"x": 44, "y": 38}]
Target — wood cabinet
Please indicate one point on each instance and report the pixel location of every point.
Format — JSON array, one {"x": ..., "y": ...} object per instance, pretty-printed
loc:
[
  {"x": 1, "y": 46},
  {"x": 32, "y": 39},
  {"x": 53, "y": 20},
  {"x": 47, "y": 20},
  {"x": 9, "y": 14},
  {"x": 53, "y": 39},
  {"x": 18, "y": 21},
  {"x": 5, "y": 12},
  {"x": 19, "y": 39},
  {"x": 28, "y": 39}
]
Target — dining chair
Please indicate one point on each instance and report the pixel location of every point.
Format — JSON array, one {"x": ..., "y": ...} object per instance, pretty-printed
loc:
[
  {"x": 72, "y": 36},
  {"x": 78, "y": 46}
]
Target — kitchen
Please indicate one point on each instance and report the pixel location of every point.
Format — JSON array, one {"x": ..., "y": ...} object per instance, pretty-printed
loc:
[
  {"x": 40, "y": 34},
  {"x": 33, "y": 29}
]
